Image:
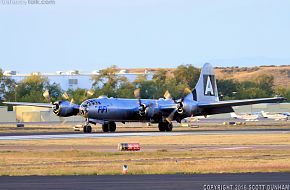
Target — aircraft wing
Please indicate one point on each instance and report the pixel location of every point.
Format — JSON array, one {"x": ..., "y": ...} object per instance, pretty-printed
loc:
[
  {"x": 239, "y": 102},
  {"x": 44, "y": 105},
  {"x": 167, "y": 109}
]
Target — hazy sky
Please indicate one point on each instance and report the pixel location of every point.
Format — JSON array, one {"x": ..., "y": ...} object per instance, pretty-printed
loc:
[{"x": 94, "y": 34}]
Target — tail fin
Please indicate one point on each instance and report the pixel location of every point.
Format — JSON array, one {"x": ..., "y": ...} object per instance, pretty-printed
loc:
[{"x": 206, "y": 87}]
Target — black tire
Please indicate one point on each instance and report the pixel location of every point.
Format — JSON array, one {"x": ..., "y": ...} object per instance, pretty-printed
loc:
[
  {"x": 165, "y": 126},
  {"x": 105, "y": 128},
  {"x": 161, "y": 127},
  {"x": 112, "y": 127},
  {"x": 85, "y": 129},
  {"x": 89, "y": 129},
  {"x": 169, "y": 127}
]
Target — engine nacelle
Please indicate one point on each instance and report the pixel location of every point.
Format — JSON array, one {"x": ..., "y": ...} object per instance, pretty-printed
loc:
[
  {"x": 142, "y": 110},
  {"x": 152, "y": 111},
  {"x": 188, "y": 108},
  {"x": 65, "y": 109}
]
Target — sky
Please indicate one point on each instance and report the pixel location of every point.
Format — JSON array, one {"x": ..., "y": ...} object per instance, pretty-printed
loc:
[{"x": 94, "y": 34}]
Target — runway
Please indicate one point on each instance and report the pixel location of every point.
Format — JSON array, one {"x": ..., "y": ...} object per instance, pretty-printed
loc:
[
  {"x": 45, "y": 136},
  {"x": 246, "y": 181}
]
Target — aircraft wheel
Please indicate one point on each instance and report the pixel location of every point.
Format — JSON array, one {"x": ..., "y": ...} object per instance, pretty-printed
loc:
[
  {"x": 87, "y": 129},
  {"x": 161, "y": 127},
  {"x": 169, "y": 127},
  {"x": 105, "y": 128},
  {"x": 112, "y": 127}
]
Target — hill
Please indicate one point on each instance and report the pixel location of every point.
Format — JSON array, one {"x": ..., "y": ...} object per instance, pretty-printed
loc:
[{"x": 281, "y": 73}]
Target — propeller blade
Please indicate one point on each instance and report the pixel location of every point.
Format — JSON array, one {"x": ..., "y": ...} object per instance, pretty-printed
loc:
[
  {"x": 90, "y": 92},
  {"x": 46, "y": 95},
  {"x": 65, "y": 96},
  {"x": 167, "y": 95},
  {"x": 171, "y": 116},
  {"x": 72, "y": 101},
  {"x": 137, "y": 93}
]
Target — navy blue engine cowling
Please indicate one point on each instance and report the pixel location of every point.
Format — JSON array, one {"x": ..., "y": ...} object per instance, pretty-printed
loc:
[{"x": 65, "y": 108}]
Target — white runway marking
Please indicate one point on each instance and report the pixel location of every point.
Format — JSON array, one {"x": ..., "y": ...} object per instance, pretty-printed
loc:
[{"x": 140, "y": 134}]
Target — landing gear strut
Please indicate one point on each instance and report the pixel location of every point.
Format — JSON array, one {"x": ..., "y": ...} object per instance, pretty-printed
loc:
[
  {"x": 109, "y": 127},
  {"x": 87, "y": 128},
  {"x": 165, "y": 126}
]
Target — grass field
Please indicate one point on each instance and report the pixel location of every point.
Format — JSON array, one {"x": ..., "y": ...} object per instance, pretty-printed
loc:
[{"x": 167, "y": 154}]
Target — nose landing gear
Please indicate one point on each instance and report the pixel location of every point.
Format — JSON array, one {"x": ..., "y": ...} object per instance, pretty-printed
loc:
[{"x": 87, "y": 128}]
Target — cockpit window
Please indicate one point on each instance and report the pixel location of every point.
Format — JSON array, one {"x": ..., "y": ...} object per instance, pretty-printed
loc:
[
  {"x": 89, "y": 103},
  {"x": 84, "y": 104}
]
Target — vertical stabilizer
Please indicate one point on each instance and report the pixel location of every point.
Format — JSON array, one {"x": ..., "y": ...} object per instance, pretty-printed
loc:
[{"x": 206, "y": 87}]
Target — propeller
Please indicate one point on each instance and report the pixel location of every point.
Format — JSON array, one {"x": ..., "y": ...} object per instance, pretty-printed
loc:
[
  {"x": 90, "y": 92},
  {"x": 179, "y": 104},
  {"x": 46, "y": 95},
  {"x": 137, "y": 94},
  {"x": 167, "y": 95},
  {"x": 142, "y": 107},
  {"x": 170, "y": 117},
  {"x": 67, "y": 97}
]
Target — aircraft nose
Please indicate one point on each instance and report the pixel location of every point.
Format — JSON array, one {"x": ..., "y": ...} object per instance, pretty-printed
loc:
[{"x": 84, "y": 111}]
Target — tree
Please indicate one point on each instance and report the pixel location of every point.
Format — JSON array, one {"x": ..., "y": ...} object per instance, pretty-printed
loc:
[
  {"x": 112, "y": 85},
  {"x": 187, "y": 74},
  {"x": 7, "y": 88},
  {"x": 285, "y": 92},
  {"x": 160, "y": 83},
  {"x": 106, "y": 82},
  {"x": 148, "y": 88},
  {"x": 249, "y": 93},
  {"x": 78, "y": 95},
  {"x": 31, "y": 88},
  {"x": 228, "y": 88},
  {"x": 266, "y": 83},
  {"x": 125, "y": 88}
]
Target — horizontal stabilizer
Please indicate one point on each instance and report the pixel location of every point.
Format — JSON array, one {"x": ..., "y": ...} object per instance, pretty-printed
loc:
[{"x": 240, "y": 102}]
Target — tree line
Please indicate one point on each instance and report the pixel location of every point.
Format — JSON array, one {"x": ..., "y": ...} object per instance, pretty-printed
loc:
[{"x": 108, "y": 83}]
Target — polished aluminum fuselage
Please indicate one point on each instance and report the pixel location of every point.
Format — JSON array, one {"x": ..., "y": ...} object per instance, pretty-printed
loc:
[{"x": 123, "y": 110}]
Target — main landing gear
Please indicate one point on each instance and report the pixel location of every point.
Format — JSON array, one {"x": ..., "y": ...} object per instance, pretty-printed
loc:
[
  {"x": 106, "y": 127},
  {"x": 165, "y": 126},
  {"x": 87, "y": 128},
  {"x": 109, "y": 127}
]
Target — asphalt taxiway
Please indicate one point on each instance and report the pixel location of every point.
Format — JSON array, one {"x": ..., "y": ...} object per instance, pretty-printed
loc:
[
  {"x": 45, "y": 136},
  {"x": 246, "y": 181}
]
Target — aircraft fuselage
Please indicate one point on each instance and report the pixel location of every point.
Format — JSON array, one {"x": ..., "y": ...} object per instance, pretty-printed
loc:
[{"x": 123, "y": 110}]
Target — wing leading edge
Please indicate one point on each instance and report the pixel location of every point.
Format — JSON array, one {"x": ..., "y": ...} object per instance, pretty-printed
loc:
[{"x": 43, "y": 105}]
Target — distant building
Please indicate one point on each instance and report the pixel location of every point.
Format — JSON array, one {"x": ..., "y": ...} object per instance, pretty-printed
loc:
[{"x": 72, "y": 79}]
